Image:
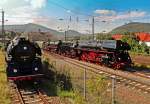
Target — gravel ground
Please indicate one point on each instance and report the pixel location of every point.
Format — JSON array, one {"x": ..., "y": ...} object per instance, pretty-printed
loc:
[{"x": 128, "y": 95}]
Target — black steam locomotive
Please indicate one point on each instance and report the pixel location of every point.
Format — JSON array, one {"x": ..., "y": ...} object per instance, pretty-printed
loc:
[
  {"x": 23, "y": 59},
  {"x": 110, "y": 53}
]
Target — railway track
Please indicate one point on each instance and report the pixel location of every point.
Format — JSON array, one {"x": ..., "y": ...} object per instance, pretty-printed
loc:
[
  {"x": 134, "y": 80},
  {"x": 138, "y": 73},
  {"x": 30, "y": 95}
]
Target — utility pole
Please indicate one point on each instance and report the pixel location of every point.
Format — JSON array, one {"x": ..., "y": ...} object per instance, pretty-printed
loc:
[
  {"x": 70, "y": 18},
  {"x": 65, "y": 35},
  {"x": 77, "y": 26},
  {"x": 93, "y": 24},
  {"x": 85, "y": 83},
  {"x": 69, "y": 25},
  {"x": 3, "y": 34},
  {"x": 77, "y": 19},
  {"x": 113, "y": 89}
]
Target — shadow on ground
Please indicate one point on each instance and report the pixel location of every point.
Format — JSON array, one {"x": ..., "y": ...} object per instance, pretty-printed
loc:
[
  {"x": 54, "y": 81},
  {"x": 140, "y": 69}
]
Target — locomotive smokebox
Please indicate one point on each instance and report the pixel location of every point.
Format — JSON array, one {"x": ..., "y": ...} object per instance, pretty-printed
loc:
[{"x": 23, "y": 59}]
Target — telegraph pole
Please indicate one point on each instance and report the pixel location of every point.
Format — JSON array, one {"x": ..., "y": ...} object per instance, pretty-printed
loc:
[
  {"x": 70, "y": 18},
  {"x": 65, "y": 35},
  {"x": 85, "y": 84},
  {"x": 3, "y": 34},
  {"x": 93, "y": 24},
  {"x": 113, "y": 89}
]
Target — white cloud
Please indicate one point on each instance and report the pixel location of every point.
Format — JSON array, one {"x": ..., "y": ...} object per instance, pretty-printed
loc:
[
  {"x": 68, "y": 11},
  {"x": 28, "y": 11},
  {"x": 122, "y": 16},
  {"x": 3, "y": 2},
  {"x": 105, "y": 12},
  {"x": 22, "y": 11},
  {"x": 37, "y": 3},
  {"x": 131, "y": 14}
]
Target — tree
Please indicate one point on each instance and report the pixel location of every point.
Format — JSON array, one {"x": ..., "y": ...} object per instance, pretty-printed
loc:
[{"x": 135, "y": 46}]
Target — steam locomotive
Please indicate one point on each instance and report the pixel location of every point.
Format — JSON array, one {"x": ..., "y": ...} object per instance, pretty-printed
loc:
[
  {"x": 110, "y": 53},
  {"x": 23, "y": 59}
]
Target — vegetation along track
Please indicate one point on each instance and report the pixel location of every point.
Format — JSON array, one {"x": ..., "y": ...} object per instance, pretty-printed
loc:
[
  {"x": 23, "y": 94},
  {"x": 140, "y": 82}
]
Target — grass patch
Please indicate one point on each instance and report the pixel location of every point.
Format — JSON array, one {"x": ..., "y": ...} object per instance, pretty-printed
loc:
[
  {"x": 69, "y": 94},
  {"x": 72, "y": 83},
  {"x": 134, "y": 53},
  {"x": 60, "y": 85},
  {"x": 141, "y": 66},
  {"x": 4, "y": 90}
]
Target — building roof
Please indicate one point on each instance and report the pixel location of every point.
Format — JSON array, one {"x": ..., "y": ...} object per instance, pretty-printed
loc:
[
  {"x": 117, "y": 36},
  {"x": 144, "y": 37}
]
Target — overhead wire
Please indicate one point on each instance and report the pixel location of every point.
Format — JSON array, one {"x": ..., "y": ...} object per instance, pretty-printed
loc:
[
  {"x": 72, "y": 11},
  {"x": 65, "y": 8}
]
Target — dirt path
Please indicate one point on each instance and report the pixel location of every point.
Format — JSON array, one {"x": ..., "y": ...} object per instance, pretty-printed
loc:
[{"x": 140, "y": 59}]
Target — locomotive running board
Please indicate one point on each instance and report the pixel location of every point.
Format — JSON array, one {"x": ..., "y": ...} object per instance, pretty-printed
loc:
[{"x": 27, "y": 76}]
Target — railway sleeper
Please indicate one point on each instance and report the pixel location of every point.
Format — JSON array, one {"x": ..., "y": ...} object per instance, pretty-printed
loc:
[
  {"x": 33, "y": 101},
  {"x": 28, "y": 93}
]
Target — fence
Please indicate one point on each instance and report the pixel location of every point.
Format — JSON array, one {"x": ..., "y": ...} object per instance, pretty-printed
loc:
[{"x": 92, "y": 88}]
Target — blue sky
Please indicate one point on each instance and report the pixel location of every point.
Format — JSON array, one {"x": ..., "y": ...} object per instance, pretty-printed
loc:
[
  {"x": 125, "y": 11},
  {"x": 89, "y": 6},
  {"x": 48, "y": 13}
]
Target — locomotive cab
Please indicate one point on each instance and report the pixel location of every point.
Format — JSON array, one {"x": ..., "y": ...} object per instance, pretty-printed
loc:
[{"x": 123, "y": 58}]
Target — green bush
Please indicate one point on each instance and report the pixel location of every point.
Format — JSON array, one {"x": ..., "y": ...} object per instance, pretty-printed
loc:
[
  {"x": 135, "y": 46},
  {"x": 97, "y": 87},
  {"x": 102, "y": 36}
]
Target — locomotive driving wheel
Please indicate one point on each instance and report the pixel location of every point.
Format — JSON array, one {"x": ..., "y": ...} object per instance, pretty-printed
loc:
[
  {"x": 118, "y": 66},
  {"x": 84, "y": 56}
]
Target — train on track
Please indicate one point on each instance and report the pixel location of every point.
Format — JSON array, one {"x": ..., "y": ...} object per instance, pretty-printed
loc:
[
  {"x": 23, "y": 59},
  {"x": 110, "y": 53}
]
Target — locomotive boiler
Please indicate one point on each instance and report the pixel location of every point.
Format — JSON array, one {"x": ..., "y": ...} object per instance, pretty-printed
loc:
[
  {"x": 23, "y": 59},
  {"x": 110, "y": 53}
]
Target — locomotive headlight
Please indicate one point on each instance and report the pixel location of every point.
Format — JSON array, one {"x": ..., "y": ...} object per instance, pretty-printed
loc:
[
  {"x": 36, "y": 69},
  {"x": 25, "y": 48},
  {"x": 15, "y": 70}
]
